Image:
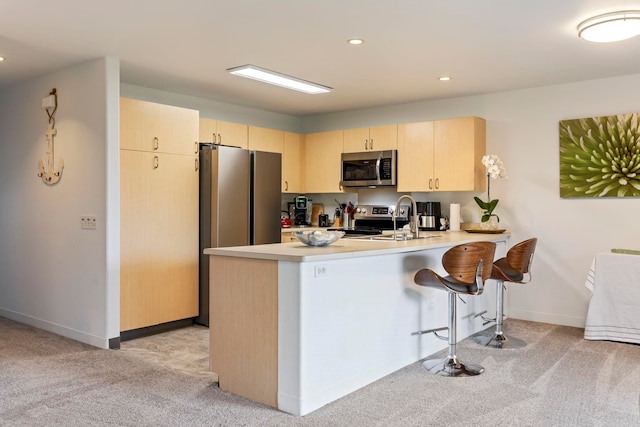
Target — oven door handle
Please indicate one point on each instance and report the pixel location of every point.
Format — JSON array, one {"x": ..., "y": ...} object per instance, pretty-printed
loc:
[{"x": 378, "y": 169}]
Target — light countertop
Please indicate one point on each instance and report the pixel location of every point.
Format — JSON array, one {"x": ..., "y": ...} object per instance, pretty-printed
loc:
[{"x": 353, "y": 248}]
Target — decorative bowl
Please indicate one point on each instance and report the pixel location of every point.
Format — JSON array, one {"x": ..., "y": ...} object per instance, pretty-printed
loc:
[{"x": 318, "y": 237}]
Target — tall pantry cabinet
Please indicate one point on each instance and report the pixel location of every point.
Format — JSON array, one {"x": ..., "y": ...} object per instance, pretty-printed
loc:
[{"x": 158, "y": 214}]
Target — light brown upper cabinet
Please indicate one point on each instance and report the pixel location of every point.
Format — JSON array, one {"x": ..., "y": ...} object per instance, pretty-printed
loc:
[
  {"x": 293, "y": 160},
  {"x": 322, "y": 161},
  {"x": 377, "y": 138},
  {"x": 225, "y": 133},
  {"x": 263, "y": 139},
  {"x": 157, "y": 127},
  {"x": 443, "y": 155}
]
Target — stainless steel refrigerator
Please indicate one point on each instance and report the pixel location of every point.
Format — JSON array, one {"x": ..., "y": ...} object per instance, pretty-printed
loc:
[{"x": 239, "y": 204}]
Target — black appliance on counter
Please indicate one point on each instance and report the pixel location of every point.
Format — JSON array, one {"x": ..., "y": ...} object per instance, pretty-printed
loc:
[
  {"x": 371, "y": 220},
  {"x": 302, "y": 211},
  {"x": 429, "y": 215}
]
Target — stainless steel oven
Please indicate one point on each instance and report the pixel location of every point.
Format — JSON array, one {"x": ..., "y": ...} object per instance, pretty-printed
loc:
[
  {"x": 369, "y": 169},
  {"x": 373, "y": 220}
]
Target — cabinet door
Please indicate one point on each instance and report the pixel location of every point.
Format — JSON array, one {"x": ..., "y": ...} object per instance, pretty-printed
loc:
[
  {"x": 226, "y": 133},
  {"x": 233, "y": 134},
  {"x": 383, "y": 138},
  {"x": 208, "y": 130},
  {"x": 148, "y": 126},
  {"x": 323, "y": 162},
  {"x": 415, "y": 157},
  {"x": 293, "y": 158},
  {"x": 263, "y": 139},
  {"x": 459, "y": 147},
  {"x": 377, "y": 138},
  {"x": 158, "y": 238},
  {"x": 356, "y": 140}
]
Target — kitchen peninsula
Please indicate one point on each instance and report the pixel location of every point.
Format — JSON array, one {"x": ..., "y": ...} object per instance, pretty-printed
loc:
[{"x": 297, "y": 327}]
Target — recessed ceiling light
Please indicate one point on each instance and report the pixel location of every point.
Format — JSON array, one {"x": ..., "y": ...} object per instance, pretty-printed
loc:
[
  {"x": 444, "y": 78},
  {"x": 610, "y": 27},
  {"x": 1, "y": 58},
  {"x": 355, "y": 42},
  {"x": 278, "y": 79}
]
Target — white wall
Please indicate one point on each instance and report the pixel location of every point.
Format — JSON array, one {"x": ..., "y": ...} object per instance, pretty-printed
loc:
[
  {"x": 522, "y": 128},
  {"x": 53, "y": 274}
]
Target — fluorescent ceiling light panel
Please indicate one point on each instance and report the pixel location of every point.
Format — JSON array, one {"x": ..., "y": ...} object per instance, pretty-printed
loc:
[
  {"x": 278, "y": 79},
  {"x": 610, "y": 27}
]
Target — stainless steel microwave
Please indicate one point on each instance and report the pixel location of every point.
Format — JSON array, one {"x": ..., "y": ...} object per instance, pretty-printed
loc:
[{"x": 369, "y": 169}]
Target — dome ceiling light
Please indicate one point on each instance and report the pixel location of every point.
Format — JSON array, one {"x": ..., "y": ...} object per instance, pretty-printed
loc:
[{"x": 610, "y": 27}]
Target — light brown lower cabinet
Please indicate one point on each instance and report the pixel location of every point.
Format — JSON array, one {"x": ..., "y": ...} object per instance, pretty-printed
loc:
[{"x": 158, "y": 238}]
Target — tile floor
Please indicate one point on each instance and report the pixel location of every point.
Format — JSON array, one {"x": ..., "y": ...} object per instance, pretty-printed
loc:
[{"x": 184, "y": 349}]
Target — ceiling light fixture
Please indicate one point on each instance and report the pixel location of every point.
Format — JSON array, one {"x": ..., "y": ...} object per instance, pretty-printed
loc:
[
  {"x": 610, "y": 27},
  {"x": 278, "y": 79},
  {"x": 1, "y": 58},
  {"x": 355, "y": 42},
  {"x": 444, "y": 78}
]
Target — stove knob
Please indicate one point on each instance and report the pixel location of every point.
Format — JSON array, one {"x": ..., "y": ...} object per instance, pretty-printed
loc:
[
  {"x": 363, "y": 211},
  {"x": 401, "y": 212},
  {"x": 359, "y": 210}
]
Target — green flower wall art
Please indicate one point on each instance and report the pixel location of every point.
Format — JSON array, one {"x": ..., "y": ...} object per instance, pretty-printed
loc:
[{"x": 600, "y": 157}]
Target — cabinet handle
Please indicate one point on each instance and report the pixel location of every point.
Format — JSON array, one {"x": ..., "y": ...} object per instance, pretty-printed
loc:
[
  {"x": 197, "y": 164},
  {"x": 219, "y": 139},
  {"x": 437, "y": 183},
  {"x": 286, "y": 186},
  {"x": 196, "y": 143},
  {"x": 371, "y": 144},
  {"x": 156, "y": 162},
  {"x": 366, "y": 141},
  {"x": 430, "y": 184},
  {"x": 156, "y": 143},
  {"x": 213, "y": 137}
]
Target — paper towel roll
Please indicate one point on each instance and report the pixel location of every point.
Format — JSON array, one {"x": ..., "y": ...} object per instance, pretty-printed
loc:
[{"x": 454, "y": 217}]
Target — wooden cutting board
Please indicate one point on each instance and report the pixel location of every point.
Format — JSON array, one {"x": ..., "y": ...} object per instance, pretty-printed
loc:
[{"x": 316, "y": 209}]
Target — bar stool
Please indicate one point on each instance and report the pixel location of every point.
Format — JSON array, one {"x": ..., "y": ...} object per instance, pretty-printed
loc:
[
  {"x": 468, "y": 265},
  {"x": 514, "y": 268}
]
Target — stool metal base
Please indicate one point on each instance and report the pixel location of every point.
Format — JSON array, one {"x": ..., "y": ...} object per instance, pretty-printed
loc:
[
  {"x": 451, "y": 366},
  {"x": 501, "y": 341}
]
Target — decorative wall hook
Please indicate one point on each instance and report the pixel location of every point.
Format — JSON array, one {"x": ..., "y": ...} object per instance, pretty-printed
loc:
[{"x": 50, "y": 175}]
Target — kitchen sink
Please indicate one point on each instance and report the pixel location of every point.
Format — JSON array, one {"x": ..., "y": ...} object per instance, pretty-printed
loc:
[{"x": 390, "y": 237}]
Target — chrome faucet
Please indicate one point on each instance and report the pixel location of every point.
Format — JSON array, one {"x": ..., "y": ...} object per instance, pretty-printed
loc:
[{"x": 413, "y": 222}]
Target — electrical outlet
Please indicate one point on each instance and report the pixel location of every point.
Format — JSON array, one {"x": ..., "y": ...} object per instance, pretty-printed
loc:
[
  {"x": 88, "y": 222},
  {"x": 320, "y": 270}
]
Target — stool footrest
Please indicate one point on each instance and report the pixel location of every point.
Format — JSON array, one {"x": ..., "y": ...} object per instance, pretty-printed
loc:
[{"x": 434, "y": 331}]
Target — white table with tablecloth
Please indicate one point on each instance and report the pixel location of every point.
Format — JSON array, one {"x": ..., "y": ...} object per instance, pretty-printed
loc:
[{"x": 614, "y": 309}]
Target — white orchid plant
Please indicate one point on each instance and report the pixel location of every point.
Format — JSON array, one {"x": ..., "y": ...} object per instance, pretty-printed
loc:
[{"x": 495, "y": 170}]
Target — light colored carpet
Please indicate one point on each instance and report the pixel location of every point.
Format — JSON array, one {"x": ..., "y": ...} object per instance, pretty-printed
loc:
[{"x": 559, "y": 379}]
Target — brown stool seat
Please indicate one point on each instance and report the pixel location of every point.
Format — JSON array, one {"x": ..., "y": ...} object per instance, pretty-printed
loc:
[
  {"x": 514, "y": 268},
  {"x": 468, "y": 266}
]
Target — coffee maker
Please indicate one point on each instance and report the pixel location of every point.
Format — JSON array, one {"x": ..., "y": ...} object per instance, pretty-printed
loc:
[
  {"x": 302, "y": 211},
  {"x": 429, "y": 214}
]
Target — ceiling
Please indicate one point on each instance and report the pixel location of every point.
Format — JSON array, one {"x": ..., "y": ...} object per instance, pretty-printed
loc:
[{"x": 186, "y": 46}]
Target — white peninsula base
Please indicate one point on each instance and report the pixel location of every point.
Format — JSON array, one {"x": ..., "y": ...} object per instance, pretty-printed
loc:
[{"x": 297, "y": 327}]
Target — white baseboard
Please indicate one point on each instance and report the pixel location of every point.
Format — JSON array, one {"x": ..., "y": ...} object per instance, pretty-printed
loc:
[
  {"x": 56, "y": 329},
  {"x": 554, "y": 319}
]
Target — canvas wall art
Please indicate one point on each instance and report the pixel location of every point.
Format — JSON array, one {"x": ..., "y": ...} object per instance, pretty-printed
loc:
[{"x": 600, "y": 157}]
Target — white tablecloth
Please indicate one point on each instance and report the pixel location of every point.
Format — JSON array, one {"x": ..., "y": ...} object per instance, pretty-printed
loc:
[{"x": 614, "y": 309}]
